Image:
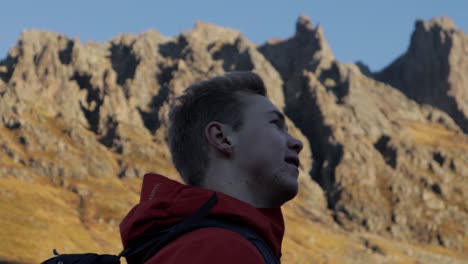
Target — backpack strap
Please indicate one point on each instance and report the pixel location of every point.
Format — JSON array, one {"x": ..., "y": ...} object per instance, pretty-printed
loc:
[
  {"x": 247, "y": 233},
  {"x": 156, "y": 240},
  {"x": 83, "y": 258}
]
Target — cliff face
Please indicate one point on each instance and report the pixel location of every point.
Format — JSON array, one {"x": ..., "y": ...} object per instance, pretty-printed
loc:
[
  {"x": 383, "y": 178},
  {"x": 434, "y": 69},
  {"x": 386, "y": 164}
]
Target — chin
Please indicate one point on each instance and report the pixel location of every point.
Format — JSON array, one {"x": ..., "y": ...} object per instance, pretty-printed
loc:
[
  {"x": 286, "y": 187},
  {"x": 293, "y": 192},
  {"x": 289, "y": 191}
]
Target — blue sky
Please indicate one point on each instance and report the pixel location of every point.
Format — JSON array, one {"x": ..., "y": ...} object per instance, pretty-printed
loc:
[{"x": 373, "y": 31}]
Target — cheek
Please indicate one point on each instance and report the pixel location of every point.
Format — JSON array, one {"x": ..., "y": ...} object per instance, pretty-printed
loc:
[
  {"x": 275, "y": 141},
  {"x": 264, "y": 146},
  {"x": 271, "y": 146}
]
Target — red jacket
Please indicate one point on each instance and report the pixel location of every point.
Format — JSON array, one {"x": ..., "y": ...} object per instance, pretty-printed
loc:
[{"x": 164, "y": 202}]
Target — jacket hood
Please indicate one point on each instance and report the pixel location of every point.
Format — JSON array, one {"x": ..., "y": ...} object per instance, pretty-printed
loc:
[{"x": 165, "y": 202}]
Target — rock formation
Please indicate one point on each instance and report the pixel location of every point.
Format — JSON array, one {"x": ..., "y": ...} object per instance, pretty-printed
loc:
[
  {"x": 383, "y": 178},
  {"x": 434, "y": 70},
  {"x": 378, "y": 171}
]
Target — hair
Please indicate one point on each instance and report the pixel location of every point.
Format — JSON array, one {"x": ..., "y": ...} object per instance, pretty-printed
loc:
[{"x": 216, "y": 99}]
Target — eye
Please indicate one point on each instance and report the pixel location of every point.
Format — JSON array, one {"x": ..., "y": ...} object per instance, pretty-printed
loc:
[{"x": 278, "y": 123}]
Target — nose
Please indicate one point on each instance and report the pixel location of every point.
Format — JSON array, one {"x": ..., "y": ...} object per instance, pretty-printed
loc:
[{"x": 295, "y": 144}]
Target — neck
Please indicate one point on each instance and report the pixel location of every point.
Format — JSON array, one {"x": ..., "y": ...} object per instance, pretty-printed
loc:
[{"x": 233, "y": 182}]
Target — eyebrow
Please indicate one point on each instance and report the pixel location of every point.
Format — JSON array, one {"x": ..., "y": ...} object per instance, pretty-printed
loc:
[{"x": 281, "y": 117}]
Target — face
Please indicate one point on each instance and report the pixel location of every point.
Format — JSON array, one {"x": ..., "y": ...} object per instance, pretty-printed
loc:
[{"x": 265, "y": 151}]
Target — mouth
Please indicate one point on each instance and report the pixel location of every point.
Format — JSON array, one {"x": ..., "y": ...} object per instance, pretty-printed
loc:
[{"x": 293, "y": 161}]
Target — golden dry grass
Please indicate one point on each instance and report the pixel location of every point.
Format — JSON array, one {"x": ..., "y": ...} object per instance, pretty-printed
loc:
[
  {"x": 36, "y": 218},
  {"x": 311, "y": 242},
  {"x": 437, "y": 136}
]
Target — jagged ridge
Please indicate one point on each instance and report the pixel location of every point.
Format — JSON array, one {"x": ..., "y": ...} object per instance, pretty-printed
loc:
[{"x": 83, "y": 116}]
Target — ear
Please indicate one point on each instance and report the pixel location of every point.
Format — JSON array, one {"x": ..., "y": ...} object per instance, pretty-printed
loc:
[{"x": 219, "y": 137}]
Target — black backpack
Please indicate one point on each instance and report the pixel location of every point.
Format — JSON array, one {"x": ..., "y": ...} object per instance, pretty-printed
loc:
[{"x": 153, "y": 242}]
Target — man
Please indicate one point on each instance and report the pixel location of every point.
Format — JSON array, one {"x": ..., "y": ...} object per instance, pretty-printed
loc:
[{"x": 225, "y": 136}]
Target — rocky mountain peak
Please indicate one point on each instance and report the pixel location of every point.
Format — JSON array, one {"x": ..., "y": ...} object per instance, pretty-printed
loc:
[
  {"x": 349, "y": 110},
  {"x": 443, "y": 23},
  {"x": 210, "y": 32},
  {"x": 304, "y": 25},
  {"x": 433, "y": 69},
  {"x": 308, "y": 48},
  {"x": 312, "y": 37}
]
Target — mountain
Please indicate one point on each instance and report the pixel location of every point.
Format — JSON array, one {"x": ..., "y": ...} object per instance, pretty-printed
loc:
[
  {"x": 434, "y": 69},
  {"x": 384, "y": 168}
]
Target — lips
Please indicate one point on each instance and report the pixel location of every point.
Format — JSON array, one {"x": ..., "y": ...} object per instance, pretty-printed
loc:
[{"x": 292, "y": 160}]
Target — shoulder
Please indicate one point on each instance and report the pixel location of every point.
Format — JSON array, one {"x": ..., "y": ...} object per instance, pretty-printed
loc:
[{"x": 209, "y": 245}]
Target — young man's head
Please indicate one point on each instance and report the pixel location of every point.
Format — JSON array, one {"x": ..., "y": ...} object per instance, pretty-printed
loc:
[{"x": 226, "y": 135}]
